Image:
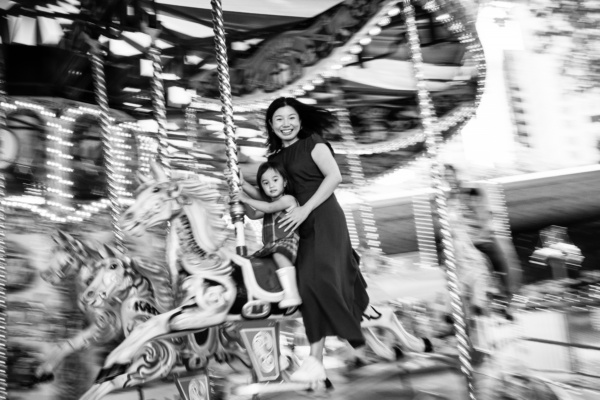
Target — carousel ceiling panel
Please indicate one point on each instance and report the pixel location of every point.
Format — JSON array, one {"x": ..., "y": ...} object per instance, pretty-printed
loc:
[
  {"x": 274, "y": 48},
  {"x": 244, "y": 15}
]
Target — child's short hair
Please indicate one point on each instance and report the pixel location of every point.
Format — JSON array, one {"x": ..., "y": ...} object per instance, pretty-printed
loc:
[{"x": 275, "y": 166}]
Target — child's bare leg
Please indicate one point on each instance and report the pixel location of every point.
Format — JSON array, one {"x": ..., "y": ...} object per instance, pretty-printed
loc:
[{"x": 287, "y": 277}]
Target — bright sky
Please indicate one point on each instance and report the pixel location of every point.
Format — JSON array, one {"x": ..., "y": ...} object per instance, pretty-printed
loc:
[{"x": 488, "y": 139}]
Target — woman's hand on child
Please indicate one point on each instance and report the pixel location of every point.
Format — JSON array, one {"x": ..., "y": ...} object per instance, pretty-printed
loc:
[{"x": 294, "y": 218}]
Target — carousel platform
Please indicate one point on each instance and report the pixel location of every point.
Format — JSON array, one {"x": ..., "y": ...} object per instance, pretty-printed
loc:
[{"x": 423, "y": 378}]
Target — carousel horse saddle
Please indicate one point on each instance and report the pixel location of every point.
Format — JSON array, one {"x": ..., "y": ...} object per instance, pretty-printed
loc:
[{"x": 254, "y": 295}]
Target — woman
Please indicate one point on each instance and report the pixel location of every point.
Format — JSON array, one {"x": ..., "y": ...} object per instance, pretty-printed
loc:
[{"x": 331, "y": 286}]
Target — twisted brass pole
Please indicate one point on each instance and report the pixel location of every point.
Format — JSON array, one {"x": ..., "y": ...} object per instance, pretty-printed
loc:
[
  {"x": 159, "y": 105},
  {"x": 3, "y": 307},
  {"x": 365, "y": 211},
  {"x": 107, "y": 145},
  {"x": 433, "y": 141},
  {"x": 236, "y": 210}
]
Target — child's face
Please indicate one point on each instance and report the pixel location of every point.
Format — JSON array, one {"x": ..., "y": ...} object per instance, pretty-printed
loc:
[{"x": 272, "y": 183}]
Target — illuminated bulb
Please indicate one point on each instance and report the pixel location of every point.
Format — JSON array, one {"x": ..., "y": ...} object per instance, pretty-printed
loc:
[
  {"x": 384, "y": 21},
  {"x": 375, "y": 31},
  {"x": 365, "y": 41},
  {"x": 356, "y": 49},
  {"x": 393, "y": 12}
]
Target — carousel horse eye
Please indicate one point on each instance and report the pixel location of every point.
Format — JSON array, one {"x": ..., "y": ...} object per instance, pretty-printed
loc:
[
  {"x": 113, "y": 266},
  {"x": 156, "y": 190}
]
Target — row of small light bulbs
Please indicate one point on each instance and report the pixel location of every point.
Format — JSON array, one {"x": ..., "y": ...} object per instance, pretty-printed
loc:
[
  {"x": 445, "y": 123},
  {"x": 345, "y": 55},
  {"x": 39, "y": 206},
  {"x": 355, "y": 47},
  {"x": 456, "y": 117},
  {"x": 55, "y": 135},
  {"x": 59, "y": 165}
]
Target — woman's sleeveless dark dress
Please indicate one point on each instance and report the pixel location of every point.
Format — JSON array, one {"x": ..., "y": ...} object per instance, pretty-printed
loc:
[{"x": 332, "y": 288}]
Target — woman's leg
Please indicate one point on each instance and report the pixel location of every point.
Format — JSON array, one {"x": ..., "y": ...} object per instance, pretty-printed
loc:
[
  {"x": 312, "y": 369},
  {"x": 316, "y": 350}
]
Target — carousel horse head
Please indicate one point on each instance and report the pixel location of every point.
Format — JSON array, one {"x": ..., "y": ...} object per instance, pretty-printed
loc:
[
  {"x": 69, "y": 256},
  {"x": 160, "y": 199},
  {"x": 117, "y": 277},
  {"x": 112, "y": 280}
]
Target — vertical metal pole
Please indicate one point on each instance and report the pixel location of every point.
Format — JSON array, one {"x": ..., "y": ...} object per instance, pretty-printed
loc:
[
  {"x": 107, "y": 145},
  {"x": 158, "y": 103},
  {"x": 434, "y": 139},
  {"x": 365, "y": 211},
  {"x": 3, "y": 307},
  {"x": 236, "y": 210}
]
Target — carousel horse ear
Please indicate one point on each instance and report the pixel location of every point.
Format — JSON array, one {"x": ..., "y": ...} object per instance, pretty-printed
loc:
[
  {"x": 61, "y": 238},
  {"x": 174, "y": 190},
  {"x": 58, "y": 238},
  {"x": 142, "y": 178},
  {"x": 70, "y": 240},
  {"x": 111, "y": 251},
  {"x": 157, "y": 171},
  {"x": 94, "y": 253}
]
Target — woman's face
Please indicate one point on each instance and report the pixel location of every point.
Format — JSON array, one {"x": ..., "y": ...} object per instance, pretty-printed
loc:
[
  {"x": 286, "y": 125},
  {"x": 272, "y": 183}
]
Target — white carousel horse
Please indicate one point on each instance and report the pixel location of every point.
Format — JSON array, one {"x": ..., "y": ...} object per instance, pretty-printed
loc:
[
  {"x": 132, "y": 292},
  {"x": 195, "y": 243},
  {"x": 74, "y": 261}
]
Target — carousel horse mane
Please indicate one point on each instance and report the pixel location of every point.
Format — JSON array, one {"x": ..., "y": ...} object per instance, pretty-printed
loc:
[
  {"x": 200, "y": 202},
  {"x": 204, "y": 212},
  {"x": 159, "y": 280}
]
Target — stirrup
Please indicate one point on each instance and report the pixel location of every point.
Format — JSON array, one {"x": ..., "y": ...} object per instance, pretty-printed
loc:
[
  {"x": 291, "y": 310},
  {"x": 256, "y": 309}
]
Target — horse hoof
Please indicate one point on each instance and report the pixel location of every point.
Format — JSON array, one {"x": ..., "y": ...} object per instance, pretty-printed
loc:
[
  {"x": 291, "y": 310},
  {"x": 44, "y": 377},
  {"x": 428, "y": 346},
  {"x": 107, "y": 374},
  {"x": 328, "y": 384},
  {"x": 320, "y": 388}
]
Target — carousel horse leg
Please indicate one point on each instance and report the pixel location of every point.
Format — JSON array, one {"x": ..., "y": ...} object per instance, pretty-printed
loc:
[
  {"x": 143, "y": 333},
  {"x": 62, "y": 350},
  {"x": 384, "y": 317}
]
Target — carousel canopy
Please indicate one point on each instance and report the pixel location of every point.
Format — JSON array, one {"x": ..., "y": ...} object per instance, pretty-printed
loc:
[{"x": 329, "y": 52}]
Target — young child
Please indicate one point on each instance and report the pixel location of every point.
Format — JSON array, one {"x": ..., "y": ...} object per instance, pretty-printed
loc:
[{"x": 281, "y": 245}]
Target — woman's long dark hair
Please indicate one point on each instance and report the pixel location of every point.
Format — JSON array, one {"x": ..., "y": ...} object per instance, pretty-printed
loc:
[
  {"x": 313, "y": 119},
  {"x": 275, "y": 166}
]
